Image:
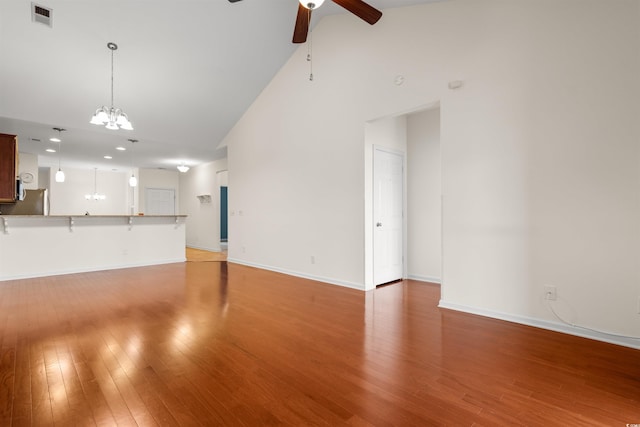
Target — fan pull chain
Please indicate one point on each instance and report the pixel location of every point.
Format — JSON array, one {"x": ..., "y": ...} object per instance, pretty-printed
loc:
[{"x": 310, "y": 49}]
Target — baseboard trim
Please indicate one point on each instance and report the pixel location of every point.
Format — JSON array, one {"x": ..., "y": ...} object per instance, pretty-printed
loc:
[
  {"x": 425, "y": 278},
  {"x": 322, "y": 279},
  {"x": 543, "y": 324}
]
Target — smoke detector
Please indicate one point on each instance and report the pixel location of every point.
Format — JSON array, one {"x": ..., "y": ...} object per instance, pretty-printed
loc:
[{"x": 42, "y": 15}]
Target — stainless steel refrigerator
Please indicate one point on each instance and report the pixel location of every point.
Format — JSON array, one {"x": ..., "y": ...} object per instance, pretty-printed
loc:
[{"x": 36, "y": 202}]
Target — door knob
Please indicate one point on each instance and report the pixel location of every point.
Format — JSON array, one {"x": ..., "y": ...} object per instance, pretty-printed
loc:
[{"x": 378, "y": 224}]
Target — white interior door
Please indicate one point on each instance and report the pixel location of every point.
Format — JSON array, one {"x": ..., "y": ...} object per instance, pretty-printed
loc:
[
  {"x": 387, "y": 216},
  {"x": 160, "y": 201}
]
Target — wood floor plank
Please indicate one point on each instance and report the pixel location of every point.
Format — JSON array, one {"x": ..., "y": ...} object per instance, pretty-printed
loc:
[
  {"x": 7, "y": 382},
  {"x": 39, "y": 400},
  {"x": 22, "y": 391},
  {"x": 211, "y": 343}
]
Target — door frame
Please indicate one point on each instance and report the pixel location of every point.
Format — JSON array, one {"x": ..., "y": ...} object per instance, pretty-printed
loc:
[{"x": 372, "y": 141}]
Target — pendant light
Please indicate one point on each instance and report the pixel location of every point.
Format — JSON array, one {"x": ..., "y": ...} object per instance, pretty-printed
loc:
[
  {"x": 112, "y": 118},
  {"x": 59, "y": 173},
  {"x": 133, "y": 181}
]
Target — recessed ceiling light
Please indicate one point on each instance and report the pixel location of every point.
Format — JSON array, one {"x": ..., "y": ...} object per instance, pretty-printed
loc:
[
  {"x": 54, "y": 139},
  {"x": 108, "y": 157},
  {"x": 50, "y": 150},
  {"x": 120, "y": 148}
]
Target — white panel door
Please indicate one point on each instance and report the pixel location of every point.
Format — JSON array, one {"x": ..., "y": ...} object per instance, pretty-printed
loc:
[
  {"x": 160, "y": 201},
  {"x": 387, "y": 216}
]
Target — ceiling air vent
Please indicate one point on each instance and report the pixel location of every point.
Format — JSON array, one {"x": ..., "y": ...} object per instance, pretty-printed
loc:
[{"x": 42, "y": 15}]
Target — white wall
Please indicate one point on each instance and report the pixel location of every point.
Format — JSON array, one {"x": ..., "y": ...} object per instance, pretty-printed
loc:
[
  {"x": 44, "y": 177},
  {"x": 43, "y": 246},
  {"x": 424, "y": 190},
  {"x": 540, "y": 153},
  {"x": 203, "y": 219},
  {"x": 68, "y": 197},
  {"x": 28, "y": 163},
  {"x": 158, "y": 179}
]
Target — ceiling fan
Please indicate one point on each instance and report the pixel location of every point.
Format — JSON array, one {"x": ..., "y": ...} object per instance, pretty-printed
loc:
[{"x": 357, "y": 7}]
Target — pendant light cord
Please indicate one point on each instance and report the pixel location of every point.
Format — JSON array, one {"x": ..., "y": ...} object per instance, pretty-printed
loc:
[
  {"x": 310, "y": 47},
  {"x": 112, "y": 104},
  {"x": 59, "y": 147}
]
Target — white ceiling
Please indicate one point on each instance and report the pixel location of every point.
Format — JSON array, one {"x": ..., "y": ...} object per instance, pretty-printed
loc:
[{"x": 185, "y": 72}]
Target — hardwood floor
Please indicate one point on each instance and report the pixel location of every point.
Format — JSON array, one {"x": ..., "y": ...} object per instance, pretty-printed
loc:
[
  {"x": 199, "y": 255},
  {"x": 206, "y": 343}
]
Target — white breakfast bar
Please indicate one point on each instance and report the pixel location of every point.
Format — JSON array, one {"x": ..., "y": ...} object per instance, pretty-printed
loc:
[{"x": 37, "y": 245}]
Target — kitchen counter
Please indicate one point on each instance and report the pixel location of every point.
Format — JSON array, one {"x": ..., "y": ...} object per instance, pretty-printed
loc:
[{"x": 37, "y": 245}]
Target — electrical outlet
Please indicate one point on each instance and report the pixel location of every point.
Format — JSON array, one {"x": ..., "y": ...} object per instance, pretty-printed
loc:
[{"x": 550, "y": 293}]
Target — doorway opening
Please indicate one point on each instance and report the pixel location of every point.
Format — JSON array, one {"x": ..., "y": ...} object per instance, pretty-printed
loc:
[
  {"x": 414, "y": 137},
  {"x": 222, "y": 179},
  {"x": 224, "y": 224}
]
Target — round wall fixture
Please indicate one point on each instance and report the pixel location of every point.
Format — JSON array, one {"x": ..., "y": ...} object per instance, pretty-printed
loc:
[{"x": 26, "y": 177}]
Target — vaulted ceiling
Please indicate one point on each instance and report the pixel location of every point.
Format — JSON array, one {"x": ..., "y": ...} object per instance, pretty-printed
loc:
[{"x": 184, "y": 72}]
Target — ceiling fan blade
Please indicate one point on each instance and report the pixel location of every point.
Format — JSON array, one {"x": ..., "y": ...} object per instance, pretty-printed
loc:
[
  {"x": 302, "y": 24},
  {"x": 361, "y": 9}
]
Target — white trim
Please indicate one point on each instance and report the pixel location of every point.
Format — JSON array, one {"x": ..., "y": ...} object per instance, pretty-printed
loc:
[
  {"x": 352, "y": 285},
  {"x": 425, "y": 279},
  {"x": 543, "y": 324}
]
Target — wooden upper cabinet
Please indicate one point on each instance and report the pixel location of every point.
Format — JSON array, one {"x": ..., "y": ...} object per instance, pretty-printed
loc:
[{"x": 8, "y": 167}]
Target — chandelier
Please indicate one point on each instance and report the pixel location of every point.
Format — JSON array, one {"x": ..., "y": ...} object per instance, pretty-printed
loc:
[
  {"x": 95, "y": 196},
  {"x": 111, "y": 117}
]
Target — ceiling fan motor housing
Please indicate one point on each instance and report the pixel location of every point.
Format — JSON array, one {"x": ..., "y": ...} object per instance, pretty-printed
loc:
[{"x": 311, "y": 4}]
